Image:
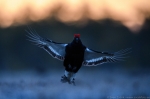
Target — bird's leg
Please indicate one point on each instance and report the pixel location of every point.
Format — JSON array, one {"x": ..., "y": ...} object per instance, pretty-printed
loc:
[
  {"x": 68, "y": 77},
  {"x": 72, "y": 78},
  {"x": 73, "y": 82}
]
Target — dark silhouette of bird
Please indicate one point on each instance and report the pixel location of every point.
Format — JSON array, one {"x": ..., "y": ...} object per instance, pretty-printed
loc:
[{"x": 74, "y": 54}]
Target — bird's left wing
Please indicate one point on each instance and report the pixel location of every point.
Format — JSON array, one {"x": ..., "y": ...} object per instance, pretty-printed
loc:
[
  {"x": 94, "y": 58},
  {"x": 56, "y": 50}
]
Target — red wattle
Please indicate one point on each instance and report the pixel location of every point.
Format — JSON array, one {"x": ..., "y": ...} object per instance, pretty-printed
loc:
[{"x": 77, "y": 35}]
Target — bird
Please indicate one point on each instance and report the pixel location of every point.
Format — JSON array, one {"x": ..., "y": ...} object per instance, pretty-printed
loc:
[{"x": 74, "y": 54}]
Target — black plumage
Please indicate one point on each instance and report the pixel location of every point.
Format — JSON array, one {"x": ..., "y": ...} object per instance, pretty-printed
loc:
[{"x": 74, "y": 55}]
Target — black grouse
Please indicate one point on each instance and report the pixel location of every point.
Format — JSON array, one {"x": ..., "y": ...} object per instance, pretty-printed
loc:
[{"x": 74, "y": 54}]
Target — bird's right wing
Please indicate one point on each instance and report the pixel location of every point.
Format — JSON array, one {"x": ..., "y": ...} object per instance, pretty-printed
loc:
[
  {"x": 94, "y": 58},
  {"x": 56, "y": 50}
]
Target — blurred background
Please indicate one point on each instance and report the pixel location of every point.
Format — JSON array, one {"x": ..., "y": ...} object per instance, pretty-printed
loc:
[{"x": 28, "y": 72}]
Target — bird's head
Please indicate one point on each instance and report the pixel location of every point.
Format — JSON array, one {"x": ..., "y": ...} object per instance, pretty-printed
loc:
[{"x": 77, "y": 38}]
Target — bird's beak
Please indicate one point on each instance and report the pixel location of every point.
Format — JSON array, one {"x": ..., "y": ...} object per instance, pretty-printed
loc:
[{"x": 77, "y": 40}]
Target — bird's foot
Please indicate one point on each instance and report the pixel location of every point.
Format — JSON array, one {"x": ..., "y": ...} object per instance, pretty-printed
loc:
[
  {"x": 73, "y": 82},
  {"x": 64, "y": 79}
]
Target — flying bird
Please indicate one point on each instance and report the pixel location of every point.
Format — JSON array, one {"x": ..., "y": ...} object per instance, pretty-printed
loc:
[{"x": 74, "y": 54}]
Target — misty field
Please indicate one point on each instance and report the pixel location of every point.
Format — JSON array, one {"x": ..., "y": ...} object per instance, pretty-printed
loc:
[{"x": 91, "y": 83}]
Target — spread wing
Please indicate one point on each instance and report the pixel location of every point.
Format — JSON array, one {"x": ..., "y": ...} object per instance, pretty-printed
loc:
[
  {"x": 56, "y": 50},
  {"x": 94, "y": 58}
]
